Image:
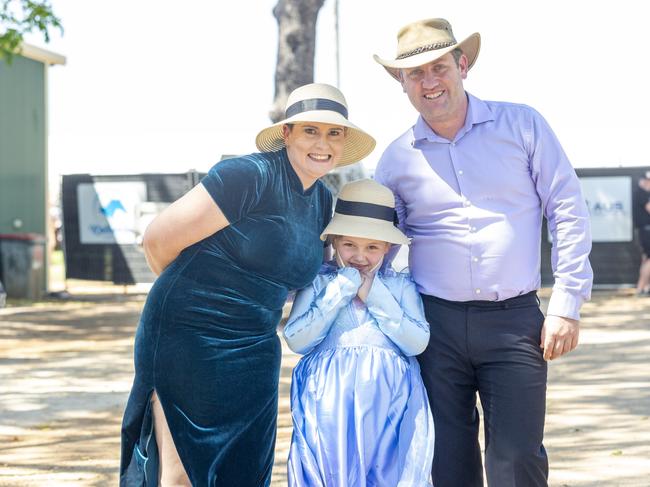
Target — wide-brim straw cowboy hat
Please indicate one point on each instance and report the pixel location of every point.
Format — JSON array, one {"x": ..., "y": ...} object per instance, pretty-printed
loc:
[
  {"x": 365, "y": 209},
  {"x": 425, "y": 41},
  {"x": 322, "y": 103}
]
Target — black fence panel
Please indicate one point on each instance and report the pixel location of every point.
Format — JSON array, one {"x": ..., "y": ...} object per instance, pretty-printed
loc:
[
  {"x": 119, "y": 258},
  {"x": 104, "y": 218}
]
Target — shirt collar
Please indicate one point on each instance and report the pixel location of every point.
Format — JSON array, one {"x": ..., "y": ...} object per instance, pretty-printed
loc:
[{"x": 478, "y": 112}]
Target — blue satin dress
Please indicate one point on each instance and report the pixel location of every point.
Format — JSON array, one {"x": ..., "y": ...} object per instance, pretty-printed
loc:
[
  {"x": 360, "y": 411},
  {"x": 207, "y": 340}
]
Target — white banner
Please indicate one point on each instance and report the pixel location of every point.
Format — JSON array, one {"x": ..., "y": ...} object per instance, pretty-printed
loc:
[
  {"x": 609, "y": 199},
  {"x": 108, "y": 212}
]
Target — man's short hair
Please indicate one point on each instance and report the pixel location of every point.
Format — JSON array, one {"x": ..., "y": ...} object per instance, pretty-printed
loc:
[{"x": 457, "y": 53}]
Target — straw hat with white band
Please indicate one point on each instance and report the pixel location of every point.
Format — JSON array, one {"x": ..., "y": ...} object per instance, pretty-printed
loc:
[
  {"x": 322, "y": 103},
  {"x": 365, "y": 209},
  {"x": 424, "y": 41}
]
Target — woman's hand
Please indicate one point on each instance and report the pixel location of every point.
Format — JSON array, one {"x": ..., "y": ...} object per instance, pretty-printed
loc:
[{"x": 188, "y": 220}]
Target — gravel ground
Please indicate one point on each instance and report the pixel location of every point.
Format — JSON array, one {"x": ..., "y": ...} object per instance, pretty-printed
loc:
[{"x": 66, "y": 369}]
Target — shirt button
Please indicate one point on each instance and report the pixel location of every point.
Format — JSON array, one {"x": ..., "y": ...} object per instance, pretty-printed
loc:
[
  {"x": 467, "y": 203},
  {"x": 475, "y": 259},
  {"x": 460, "y": 172},
  {"x": 472, "y": 229},
  {"x": 477, "y": 291}
]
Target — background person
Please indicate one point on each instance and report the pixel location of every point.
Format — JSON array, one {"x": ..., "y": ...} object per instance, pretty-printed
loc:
[{"x": 642, "y": 222}]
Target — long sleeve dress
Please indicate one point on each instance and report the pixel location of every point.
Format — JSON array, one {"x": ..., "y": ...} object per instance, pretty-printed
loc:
[
  {"x": 360, "y": 411},
  {"x": 207, "y": 340}
]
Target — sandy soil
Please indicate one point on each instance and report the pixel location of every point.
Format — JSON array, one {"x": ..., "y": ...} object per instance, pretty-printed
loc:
[{"x": 66, "y": 369}]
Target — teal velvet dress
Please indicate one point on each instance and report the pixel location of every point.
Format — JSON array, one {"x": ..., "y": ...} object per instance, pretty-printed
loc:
[{"x": 207, "y": 340}]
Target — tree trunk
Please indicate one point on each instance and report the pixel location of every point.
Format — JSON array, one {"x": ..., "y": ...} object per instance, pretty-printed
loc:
[{"x": 296, "y": 48}]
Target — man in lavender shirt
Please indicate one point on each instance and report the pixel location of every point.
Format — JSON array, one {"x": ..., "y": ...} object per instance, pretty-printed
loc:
[{"x": 472, "y": 181}]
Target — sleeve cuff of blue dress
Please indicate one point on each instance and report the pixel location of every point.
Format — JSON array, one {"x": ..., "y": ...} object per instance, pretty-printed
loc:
[
  {"x": 403, "y": 329},
  {"x": 312, "y": 316},
  {"x": 382, "y": 304}
]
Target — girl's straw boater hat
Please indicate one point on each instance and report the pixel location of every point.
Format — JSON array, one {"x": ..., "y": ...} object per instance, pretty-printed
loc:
[
  {"x": 321, "y": 103},
  {"x": 425, "y": 41},
  {"x": 365, "y": 209}
]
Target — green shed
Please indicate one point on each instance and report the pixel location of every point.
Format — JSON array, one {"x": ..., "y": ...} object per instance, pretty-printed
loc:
[{"x": 23, "y": 143}]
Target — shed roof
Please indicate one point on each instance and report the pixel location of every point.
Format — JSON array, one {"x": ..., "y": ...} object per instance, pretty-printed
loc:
[{"x": 42, "y": 55}]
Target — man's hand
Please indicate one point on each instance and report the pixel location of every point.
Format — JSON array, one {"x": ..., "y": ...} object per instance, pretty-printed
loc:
[{"x": 559, "y": 336}]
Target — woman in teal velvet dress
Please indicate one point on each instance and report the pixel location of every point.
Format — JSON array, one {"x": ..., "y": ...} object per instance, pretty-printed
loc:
[{"x": 202, "y": 409}]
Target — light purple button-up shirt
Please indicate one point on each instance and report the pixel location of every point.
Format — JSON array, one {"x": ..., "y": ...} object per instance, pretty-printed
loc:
[{"x": 473, "y": 207}]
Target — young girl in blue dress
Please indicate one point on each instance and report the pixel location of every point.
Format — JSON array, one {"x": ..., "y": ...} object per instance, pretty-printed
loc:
[{"x": 359, "y": 408}]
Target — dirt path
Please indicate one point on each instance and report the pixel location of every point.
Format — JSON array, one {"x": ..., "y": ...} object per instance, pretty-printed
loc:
[{"x": 66, "y": 368}]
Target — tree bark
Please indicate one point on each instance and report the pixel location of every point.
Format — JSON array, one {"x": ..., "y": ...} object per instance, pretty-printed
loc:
[{"x": 296, "y": 49}]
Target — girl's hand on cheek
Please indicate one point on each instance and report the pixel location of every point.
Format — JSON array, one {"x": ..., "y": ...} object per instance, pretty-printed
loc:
[{"x": 366, "y": 284}]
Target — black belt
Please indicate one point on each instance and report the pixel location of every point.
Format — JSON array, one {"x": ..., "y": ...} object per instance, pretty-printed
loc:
[{"x": 516, "y": 301}]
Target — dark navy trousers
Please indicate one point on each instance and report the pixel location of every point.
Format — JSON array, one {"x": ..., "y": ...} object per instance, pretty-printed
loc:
[{"x": 490, "y": 348}]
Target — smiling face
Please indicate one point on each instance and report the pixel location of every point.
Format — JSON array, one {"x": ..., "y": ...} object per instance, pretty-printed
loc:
[
  {"x": 436, "y": 91},
  {"x": 363, "y": 254},
  {"x": 314, "y": 149}
]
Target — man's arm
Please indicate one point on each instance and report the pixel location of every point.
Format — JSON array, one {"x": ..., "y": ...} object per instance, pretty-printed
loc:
[{"x": 568, "y": 220}]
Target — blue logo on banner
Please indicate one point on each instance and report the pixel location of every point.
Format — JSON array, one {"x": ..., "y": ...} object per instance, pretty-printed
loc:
[{"x": 112, "y": 207}]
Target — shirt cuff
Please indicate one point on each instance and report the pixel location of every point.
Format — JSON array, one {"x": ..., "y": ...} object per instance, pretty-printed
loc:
[{"x": 564, "y": 304}]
